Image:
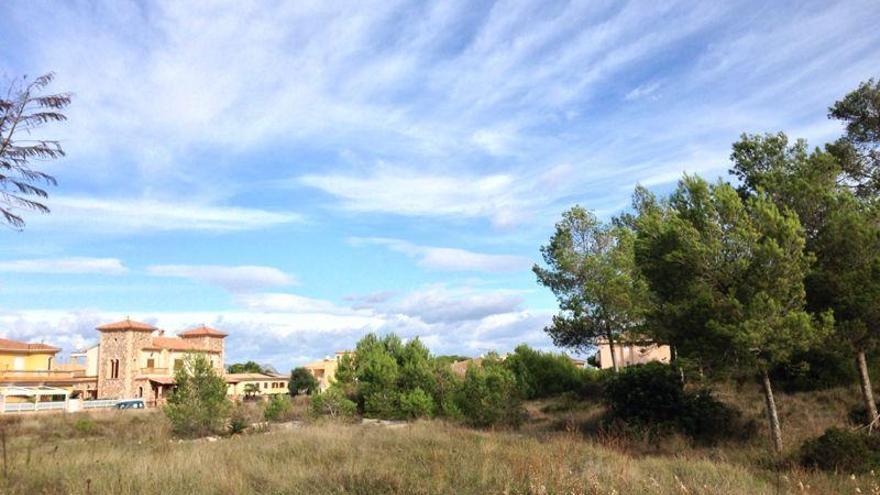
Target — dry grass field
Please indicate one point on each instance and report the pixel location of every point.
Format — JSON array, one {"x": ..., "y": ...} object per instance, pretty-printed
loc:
[{"x": 557, "y": 451}]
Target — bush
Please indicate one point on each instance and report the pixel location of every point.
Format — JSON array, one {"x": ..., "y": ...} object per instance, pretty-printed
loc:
[
  {"x": 85, "y": 426},
  {"x": 238, "y": 422},
  {"x": 301, "y": 382},
  {"x": 816, "y": 369},
  {"x": 199, "y": 405},
  {"x": 543, "y": 374},
  {"x": 652, "y": 395},
  {"x": 332, "y": 402},
  {"x": 275, "y": 409},
  {"x": 843, "y": 451},
  {"x": 416, "y": 404},
  {"x": 490, "y": 396}
]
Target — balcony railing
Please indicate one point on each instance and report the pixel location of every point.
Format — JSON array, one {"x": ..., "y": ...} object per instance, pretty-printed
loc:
[{"x": 37, "y": 374}]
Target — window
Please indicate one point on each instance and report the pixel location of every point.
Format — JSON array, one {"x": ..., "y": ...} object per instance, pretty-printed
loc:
[
  {"x": 265, "y": 385},
  {"x": 114, "y": 368},
  {"x": 140, "y": 391},
  {"x": 151, "y": 363},
  {"x": 178, "y": 364}
]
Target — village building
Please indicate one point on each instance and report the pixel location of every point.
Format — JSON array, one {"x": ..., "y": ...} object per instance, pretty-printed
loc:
[
  {"x": 324, "y": 370},
  {"x": 131, "y": 360}
]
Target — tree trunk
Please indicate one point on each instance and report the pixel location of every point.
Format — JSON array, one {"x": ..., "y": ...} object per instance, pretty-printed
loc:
[
  {"x": 867, "y": 391},
  {"x": 614, "y": 362},
  {"x": 772, "y": 415}
]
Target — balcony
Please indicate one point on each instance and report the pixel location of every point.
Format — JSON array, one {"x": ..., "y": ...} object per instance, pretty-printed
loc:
[{"x": 37, "y": 375}]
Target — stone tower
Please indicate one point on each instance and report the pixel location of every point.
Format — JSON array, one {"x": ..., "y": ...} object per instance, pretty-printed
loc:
[
  {"x": 208, "y": 339},
  {"x": 118, "y": 365}
]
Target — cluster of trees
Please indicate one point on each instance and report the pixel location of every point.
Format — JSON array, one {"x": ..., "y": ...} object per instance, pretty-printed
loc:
[
  {"x": 389, "y": 379},
  {"x": 740, "y": 276}
]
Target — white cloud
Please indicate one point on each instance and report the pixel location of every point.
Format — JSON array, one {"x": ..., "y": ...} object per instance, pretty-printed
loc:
[
  {"x": 438, "y": 304},
  {"x": 140, "y": 215},
  {"x": 643, "y": 91},
  {"x": 232, "y": 278},
  {"x": 450, "y": 259},
  {"x": 404, "y": 192},
  {"x": 103, "y": 266},
  {"x": 289, "y": 303}
]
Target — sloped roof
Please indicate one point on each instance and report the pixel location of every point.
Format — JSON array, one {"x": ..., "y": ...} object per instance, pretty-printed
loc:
[
  {"x": 176, "y": 344},
  {"x": 127, "y": 324},
  {"x": 202, "y": 331},
  {"x": 247, "y": 377},
  {"x": 23, "y": 347}
]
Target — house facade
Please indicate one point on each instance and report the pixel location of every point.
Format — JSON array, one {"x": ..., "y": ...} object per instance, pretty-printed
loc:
[
  {"x": 325, "y": 370},
  {"x": 629, "y": 354}
]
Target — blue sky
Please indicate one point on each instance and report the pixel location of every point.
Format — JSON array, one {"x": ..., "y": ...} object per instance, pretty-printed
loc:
[{"x": 301, "y": 173}]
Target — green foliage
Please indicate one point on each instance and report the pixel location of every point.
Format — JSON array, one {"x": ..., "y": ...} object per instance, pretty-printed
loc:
[
  {"x": 489, "y": 396},
  {"x": 727, "y": 277},
  {"x": 198, "y": 406},
  {"x": 302, "y": 382},
  {"x": 543, "y": 374},
  {"x": 251, "y": 390},
  {"x": 248, "y": 367},
  {"x": 85, "y": 426},
  {"x": 819, "y": 368},
  {"x": 843, "y": 451},
  {"x": 591, "y": 270},
  {"x": 859, "y": 149},
  {"x": 333, "y": 403},
  {"x": 238, "y": 421},
  {"x": 416, "y": 404},
  {"x": 653, "y": 396},
  {"x": 276, "y": 408}
]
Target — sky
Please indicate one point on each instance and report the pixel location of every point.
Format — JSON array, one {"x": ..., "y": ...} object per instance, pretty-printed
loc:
[{"x": 301, "y": 173}]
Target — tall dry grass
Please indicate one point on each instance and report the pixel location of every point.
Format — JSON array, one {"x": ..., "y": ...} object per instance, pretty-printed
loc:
[{"x": 132, "y": 453}]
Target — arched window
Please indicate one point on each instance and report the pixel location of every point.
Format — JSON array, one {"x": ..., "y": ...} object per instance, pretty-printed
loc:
[
  {"x": 114, "y": 368},
  {"x": 140, "y": 391}
]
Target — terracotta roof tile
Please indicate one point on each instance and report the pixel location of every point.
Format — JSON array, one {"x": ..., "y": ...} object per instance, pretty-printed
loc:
[
  {"x": 127, "y": 324},
  {"x": 202, "y": 331},
  {"x": 16, "y": 346}
]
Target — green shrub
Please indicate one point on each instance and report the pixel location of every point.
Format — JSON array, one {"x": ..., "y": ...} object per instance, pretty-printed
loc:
[
  {"x": 301, "y": 382},
  {"x": 416, "y": 404},
  {"x": 276, "y": 407},
  {"x": 816, "y": 369},
  {"x": 85, "y": 426},
  {"x": 543, "y": 374},
  {"x": 238, "y": 422},
  {"x": 653, "y": 396},
  {"x": 332, "y": 402},
  {"x": 843, "y": 451},
  {"x": 489, "y": 396},
  {"x": 650, "y": 394},
  {"x": 199, "y": 405}
]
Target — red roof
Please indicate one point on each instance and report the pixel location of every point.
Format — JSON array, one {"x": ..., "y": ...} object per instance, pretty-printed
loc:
[
  {"x": 162, "y": 380},
  {"x": 127, "y": 324},
  {"x": 176, "y": 344},
  {"x": 16, "y": 346},
  {"x": 202, "y": 331}
]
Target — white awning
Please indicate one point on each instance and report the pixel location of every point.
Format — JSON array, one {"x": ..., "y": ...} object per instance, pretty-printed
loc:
[{"x": 32, "y": 391}]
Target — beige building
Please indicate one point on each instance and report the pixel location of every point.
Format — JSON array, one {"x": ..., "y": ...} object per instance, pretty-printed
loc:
[
  {"x": 630, "y": 354},
  {"x": 255, "y": 385},
  {"x": 325, "y": 370}
]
